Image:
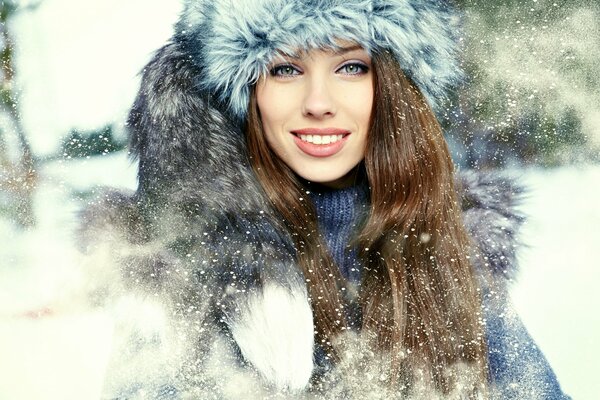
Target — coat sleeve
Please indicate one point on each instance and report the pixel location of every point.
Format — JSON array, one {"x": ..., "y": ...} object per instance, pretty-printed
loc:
[{"x": 517, "y": 367}]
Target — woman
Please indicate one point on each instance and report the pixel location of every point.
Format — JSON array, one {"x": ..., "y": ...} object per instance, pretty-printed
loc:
[{"x": 297, "y": 212}]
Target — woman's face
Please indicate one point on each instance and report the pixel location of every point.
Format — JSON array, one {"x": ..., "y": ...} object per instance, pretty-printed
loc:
[{"x": 315, "y": 112}]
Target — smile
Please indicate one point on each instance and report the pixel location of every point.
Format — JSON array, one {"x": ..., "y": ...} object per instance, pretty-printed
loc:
[
  {"x": 321, "y": 139},
  {"x": 320, "y": 142}
]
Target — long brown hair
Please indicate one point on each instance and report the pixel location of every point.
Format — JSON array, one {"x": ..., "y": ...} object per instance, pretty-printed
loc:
[{"x": 418, "y": 292}]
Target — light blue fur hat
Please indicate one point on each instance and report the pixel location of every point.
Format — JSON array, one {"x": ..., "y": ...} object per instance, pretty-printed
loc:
[{"x": 233, "y": 41}]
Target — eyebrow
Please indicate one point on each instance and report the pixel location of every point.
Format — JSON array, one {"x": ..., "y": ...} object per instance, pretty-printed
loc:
[
  {"x": 339, "y": 51},
  {"x": 345, "y": 50}
]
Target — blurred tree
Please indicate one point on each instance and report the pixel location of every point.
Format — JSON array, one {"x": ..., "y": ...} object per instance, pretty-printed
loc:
[
  {"x": 91, "y": 143},
  {"x": 17, "y": 166},
  {"x": 532, "y": 93}
]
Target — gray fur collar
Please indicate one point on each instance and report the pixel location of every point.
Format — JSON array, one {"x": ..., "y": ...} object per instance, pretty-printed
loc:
[{"x": 199, "y": 235}]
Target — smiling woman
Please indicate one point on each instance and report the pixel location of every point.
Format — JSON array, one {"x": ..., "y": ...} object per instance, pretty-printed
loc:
[
  {"x": 315, "y": 112},
  {"x": 299, "y": 214},
  {"x": 399, "y": 167}
]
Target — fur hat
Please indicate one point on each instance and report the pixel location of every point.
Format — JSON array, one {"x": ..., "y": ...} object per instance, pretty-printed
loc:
[{"x": 234, "y": 41}]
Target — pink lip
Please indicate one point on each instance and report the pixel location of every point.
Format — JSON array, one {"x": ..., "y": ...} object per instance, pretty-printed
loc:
[
  {"x": 321, "y": 131},
  {"x": 320, "y": 150}
]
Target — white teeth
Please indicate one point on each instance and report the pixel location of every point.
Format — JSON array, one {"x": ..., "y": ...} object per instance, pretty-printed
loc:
[{"x": 321, "y": 139}]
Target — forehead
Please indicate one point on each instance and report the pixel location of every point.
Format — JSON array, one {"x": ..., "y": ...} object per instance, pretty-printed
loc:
[{"x": 340, "y": 47}]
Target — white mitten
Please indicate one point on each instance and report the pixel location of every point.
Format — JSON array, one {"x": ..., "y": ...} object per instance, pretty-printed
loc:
[{"x": 274, "y": 331}]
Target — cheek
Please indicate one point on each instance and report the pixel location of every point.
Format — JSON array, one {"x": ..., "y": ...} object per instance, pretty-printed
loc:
[
  {"x": 275, "y": 109},
  {"x": 366, "y": 103},
  {"x": 359, "y": 102},
  {"x": 362, "y": 106},
  {"x": 266, "y": 110},
  {"x": 275, "y": 105}
]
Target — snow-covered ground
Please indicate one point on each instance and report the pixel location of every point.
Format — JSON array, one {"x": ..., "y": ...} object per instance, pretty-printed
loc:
[
  {"x": 53, "y": 345},
  {"x": 557, "y": 292}
]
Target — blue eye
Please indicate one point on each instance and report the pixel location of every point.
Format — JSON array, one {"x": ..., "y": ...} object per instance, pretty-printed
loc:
[
  {"x": 284, "y": 70},
  {"x": 354, "y": 68}
]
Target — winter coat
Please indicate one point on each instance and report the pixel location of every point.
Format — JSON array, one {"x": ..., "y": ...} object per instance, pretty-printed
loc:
[{"x": 199, "y": 238}]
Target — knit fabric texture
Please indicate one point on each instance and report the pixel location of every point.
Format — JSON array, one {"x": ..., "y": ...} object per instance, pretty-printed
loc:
[{"x": 339, "y": 212}]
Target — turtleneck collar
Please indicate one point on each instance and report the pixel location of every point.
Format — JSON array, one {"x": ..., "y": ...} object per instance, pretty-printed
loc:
[{"x": 339, "y": 213}]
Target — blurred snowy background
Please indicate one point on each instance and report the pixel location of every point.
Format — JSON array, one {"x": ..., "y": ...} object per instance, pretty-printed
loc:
[{"x": 69, "y": 72}]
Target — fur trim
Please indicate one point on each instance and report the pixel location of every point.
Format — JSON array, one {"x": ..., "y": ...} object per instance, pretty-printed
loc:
[
  {"x": 274, "y": 330},
  {"x": 491, "y": 215},
  {"x": 233, "y": 42}
]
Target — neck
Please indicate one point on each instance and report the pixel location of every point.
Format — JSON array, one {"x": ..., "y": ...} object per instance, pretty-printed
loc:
[
  {"x": 354, "y": 177},
  {"x": 350, "y": 179}
]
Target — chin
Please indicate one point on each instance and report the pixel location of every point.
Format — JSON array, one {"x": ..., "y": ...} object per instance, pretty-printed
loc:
[{"x": 326, "y": 177}]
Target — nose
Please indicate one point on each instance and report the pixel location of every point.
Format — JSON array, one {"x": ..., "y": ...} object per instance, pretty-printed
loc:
[{"x": 319, "y": 101}]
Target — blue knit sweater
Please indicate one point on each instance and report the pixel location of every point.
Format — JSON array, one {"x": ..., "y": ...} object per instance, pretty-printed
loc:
[{"x": 517, "y": 367}]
